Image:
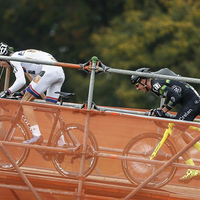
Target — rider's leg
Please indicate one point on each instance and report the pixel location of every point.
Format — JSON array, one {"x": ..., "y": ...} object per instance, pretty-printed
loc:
[
  {"x": 28, "y": 110},
  {"x": 178, "y": 136},
  {"x": 52, "y": 98},
  {"x": 51, "y": 81},
  {"x": 188, "y": 138},
  {"x": 50, "y": 118},
  {"x": 180, "y": 144},
  {"x": 30, "y": 115},
  {"x": 30, "y": 95},
  {"x": 190, "y": 117}
]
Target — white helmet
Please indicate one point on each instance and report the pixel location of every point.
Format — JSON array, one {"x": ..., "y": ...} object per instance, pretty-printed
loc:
[{"x": 4, "y": 49}]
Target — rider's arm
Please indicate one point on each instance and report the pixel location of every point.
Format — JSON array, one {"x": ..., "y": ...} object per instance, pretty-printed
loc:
[
  {"x": 165, "y": 109},
  {"x": 172, "y": 98},
  {"x": 19, "y": 75},
  {"x": 164, "y": 105}
]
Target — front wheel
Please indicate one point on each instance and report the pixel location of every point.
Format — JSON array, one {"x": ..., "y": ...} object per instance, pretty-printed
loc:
[
  {"x": 13, "y": 132},
  {"x": 69, "y": 137},
  {"x": 142, "y": 146}
]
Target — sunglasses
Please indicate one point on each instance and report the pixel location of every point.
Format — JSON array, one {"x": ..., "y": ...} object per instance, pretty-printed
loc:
[{"x": 137, "y": 84}]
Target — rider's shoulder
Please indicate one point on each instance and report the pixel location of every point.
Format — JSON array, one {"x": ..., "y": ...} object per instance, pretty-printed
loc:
[
  {"x": 18, "y": 53},
  {"x": 157, "y": 84},
  {"x": 158, "y": 81}
]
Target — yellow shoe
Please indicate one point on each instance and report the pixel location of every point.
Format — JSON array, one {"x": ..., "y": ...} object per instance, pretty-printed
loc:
[
  {"x": 190, "y": 174},
  {"x": 197, "y": 174}
]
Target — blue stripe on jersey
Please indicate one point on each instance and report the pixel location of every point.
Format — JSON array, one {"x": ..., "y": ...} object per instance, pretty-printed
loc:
[
  {"x": 24, "y": 90},
  {"x": 24, "y": 69},
  {"x": 52, "y": 100},
  {"x": 9, "y": 91},
  {"x": 32, "y": 91}
]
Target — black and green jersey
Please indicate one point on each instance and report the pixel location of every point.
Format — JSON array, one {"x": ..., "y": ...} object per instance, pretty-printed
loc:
[{"x": 177, "y": 92}]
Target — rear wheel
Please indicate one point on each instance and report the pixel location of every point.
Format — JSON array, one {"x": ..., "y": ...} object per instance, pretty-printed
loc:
[
  {"x": 142, "y": 146},
  {"x": 69, "y": 137},
  {"x": 12, "y": 132}
]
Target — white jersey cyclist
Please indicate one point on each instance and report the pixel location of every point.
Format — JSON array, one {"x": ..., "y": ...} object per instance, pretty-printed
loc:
[
  {"x": 52, "y": 76},
  {"x": 45, "y": 78}
]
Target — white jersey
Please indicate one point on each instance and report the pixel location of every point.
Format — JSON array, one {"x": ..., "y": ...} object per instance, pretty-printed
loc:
[{"x": 19, "y": 68}]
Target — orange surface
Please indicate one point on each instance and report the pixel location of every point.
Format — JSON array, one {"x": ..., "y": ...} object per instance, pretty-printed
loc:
[{"x": 112, "y": 130}]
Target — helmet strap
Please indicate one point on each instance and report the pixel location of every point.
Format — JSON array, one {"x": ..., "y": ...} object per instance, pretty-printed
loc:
[{"x": 145, "y": 85}]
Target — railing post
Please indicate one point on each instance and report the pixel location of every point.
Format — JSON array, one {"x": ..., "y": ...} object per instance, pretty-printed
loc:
[
  {"x": 87, "y": 120},
  {"x": 7, "y": 79},
  {"x": 6, "y": 86}
]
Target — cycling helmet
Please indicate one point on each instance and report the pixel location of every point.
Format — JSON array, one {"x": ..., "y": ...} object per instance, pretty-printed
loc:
[
  {"x": 4, "y": 49},
  {"x": 135, "y": 78}
]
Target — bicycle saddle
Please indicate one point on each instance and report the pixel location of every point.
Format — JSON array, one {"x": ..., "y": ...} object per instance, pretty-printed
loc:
[{"x": 65, "y": 94}]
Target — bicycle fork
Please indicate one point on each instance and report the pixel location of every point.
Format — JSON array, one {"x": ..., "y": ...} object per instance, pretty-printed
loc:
[{"x": 168, "y": 132}]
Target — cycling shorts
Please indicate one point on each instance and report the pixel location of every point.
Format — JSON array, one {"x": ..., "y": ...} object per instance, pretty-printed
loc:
[
  {"x": 51, "y": 80},
  {"x": 188, "y": 112}
]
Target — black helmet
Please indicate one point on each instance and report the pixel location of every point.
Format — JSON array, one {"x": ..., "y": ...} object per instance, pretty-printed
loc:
[
  {"x": 4, "y": 49},
  {"x": 135, "y": 78}
]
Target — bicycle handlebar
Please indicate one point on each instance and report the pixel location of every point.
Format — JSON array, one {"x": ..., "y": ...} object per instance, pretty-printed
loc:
[
  {"x": 167, "y": 115},
  {"x": 65, "y": 94}
]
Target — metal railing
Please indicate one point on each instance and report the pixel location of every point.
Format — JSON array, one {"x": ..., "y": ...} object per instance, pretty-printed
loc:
[{"x": 93, "y": 66}]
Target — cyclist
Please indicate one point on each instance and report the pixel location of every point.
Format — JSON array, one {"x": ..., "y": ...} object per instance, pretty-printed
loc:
[
  {"x": 45, "y": 78},
  {"x": 174, "y": 92}
]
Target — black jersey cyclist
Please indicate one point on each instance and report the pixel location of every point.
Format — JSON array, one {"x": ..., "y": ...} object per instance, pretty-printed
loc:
[{"x": 174, "y": 92}]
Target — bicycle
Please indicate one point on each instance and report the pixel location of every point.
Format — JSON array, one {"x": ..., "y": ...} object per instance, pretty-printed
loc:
[
  {"x": 150, "y": 146},
  {"x": 141, "y": 146},
  {"x": 16, "y": 129}
]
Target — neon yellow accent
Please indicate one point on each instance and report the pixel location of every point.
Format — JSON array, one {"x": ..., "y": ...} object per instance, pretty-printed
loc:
[
  {"x": 168, "y": 132},
  {"x": 167, "y": 81},
  {"x": 187, "y": 86},
  {"x": 162, "y": 89},
  {"x": 197, "y": 146},
  {"x": 190, "y": 174},
  {"x": 189, "y": 162},
  {"x": 195, "y": 128}
]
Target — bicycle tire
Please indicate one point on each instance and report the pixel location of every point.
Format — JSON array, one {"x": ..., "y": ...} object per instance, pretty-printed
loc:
[
  {"x": 70, "y": 166},
  {"x": 18, "y": 134},
  {"x": 142, "y": 146}
]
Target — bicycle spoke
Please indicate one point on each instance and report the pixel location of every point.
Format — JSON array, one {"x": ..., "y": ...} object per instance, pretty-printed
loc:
[
  {"x": 15, "y": 134},
  {"x": 142, "y": 147},
  {"x": 70, "y": 164}
]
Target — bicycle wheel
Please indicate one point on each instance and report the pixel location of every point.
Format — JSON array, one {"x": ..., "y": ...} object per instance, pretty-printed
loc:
[
  {"x": 71, "y": 136},
  {"x": 15, "y": 133},
  {"x": 142, "y": 146}
]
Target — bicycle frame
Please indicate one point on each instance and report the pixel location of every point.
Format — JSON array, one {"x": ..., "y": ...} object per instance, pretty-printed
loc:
[
  {"x": 16, "y": 118},
  {"x": 168, "y": 132},
  {"x": 56, "y": 117},
  {"x": 19, "y": 115}
]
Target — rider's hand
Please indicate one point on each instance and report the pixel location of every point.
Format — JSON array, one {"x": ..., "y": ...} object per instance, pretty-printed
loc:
[
  {"x": 151, "y": 112},
  {"x": 4, "y": 94},
  {"x": 17, "y": 94},
  {"x": 159, "y": 113}
]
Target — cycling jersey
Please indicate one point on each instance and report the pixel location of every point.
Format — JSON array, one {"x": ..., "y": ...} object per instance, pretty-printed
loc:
[
  {"x": 177, "y": 92},
  {"x": 52, "y": 79}
]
